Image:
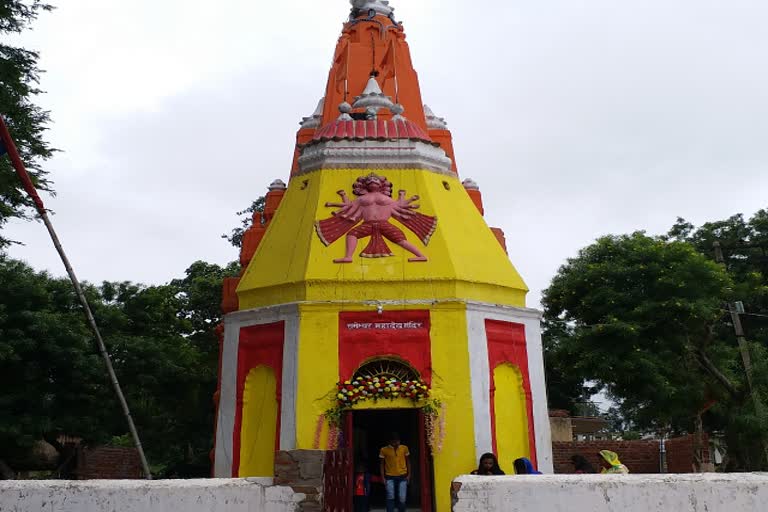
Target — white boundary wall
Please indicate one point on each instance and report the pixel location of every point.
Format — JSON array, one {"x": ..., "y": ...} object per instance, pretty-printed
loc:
[
  {"x": 246, "y": 495},
  {"x": 735, "y": 492}
]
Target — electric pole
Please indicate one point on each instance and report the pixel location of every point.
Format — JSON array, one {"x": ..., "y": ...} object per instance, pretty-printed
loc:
[{"x": 736, "y": 309}]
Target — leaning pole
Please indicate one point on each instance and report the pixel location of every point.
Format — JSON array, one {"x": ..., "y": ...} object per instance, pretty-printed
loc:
[{"x": 9, "y": 147}]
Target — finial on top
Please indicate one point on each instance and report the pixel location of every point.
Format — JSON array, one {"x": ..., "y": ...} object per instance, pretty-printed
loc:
[
  {"x": 372, "y": 97},
  {"x": 397, "y": 111},
  {"x": 379, "y": 6},
  {"x": 434, "y": 122},
  {"x": 277, "y": 185},
  {"x": 345, "y": 108},
  {"x": 470, "y": 184},
  {"x": 315, "y": 119}
]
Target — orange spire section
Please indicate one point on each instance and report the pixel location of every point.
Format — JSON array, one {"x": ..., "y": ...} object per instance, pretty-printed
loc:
[{"x": 373, "y": 45}]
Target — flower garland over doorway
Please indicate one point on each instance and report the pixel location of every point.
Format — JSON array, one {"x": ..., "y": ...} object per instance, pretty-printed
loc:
[{"x": 389, "y": 379}]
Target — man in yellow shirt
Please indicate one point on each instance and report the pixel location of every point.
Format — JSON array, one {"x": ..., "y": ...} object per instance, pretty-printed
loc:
[{"x": 396, "y": 472}]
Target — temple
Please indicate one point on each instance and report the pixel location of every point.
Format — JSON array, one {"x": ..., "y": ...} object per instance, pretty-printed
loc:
[{"x": 374, "y": 297}]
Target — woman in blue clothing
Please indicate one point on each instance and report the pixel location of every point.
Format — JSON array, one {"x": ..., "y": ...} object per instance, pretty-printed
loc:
[{"x": 523, "y": 466}]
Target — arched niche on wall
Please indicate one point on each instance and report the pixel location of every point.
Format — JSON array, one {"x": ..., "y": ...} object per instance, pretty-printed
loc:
[
  {"x": 510, "y": 414},
  {"x": 259, "y": 430}
]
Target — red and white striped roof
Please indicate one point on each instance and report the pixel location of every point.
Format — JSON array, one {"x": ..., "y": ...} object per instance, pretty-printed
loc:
[{"x": 371, "y": 129}]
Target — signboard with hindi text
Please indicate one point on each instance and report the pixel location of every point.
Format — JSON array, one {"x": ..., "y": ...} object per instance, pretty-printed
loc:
[{"x": 365, "y": 335}]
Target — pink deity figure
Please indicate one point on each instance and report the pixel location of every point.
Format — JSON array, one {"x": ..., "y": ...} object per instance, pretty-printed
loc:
[{"x": 374, "y": 206}]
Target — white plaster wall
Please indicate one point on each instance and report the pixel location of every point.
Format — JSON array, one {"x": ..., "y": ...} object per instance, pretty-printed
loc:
[
  {"x": 233, "y": 322},
  {"x": 477, "y": 314},
  {"x": 247, "y": 495},
  {"x": 614, "y": 493},
  {"x": 481, "y": 382}
]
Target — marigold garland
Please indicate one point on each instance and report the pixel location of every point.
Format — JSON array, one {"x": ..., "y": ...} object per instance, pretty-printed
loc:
[
  {"x": 352, "y": 392},
  {"x": 319, "y": 431},
  {"x": 434, "y": 423},
  {"x": 378, "y": 388}
]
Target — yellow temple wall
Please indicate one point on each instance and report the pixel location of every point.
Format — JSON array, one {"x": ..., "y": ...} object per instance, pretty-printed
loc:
[
  {"x": 318, "y": 360},
  {"x": 465, "y": 258},
  {"x": 511, "y": 414},
  {"x": 259, "y": 423},
  {"x": 452, "y": 385}
]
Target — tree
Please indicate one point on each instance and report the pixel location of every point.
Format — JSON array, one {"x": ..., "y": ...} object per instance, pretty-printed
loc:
[
  {"x": 163, "y": 345},
  {"x": 168, "y": 380},
  {"x": 236, "y": 236},
  {"x": 744, "y": 246},
  {"x": 200, "y": 291},
  {"x": 51, "y": 374},
  {"x": 19, "y": 79},
  {"x": 641, "y": 314},
  {"x": 566, "y": 388}
]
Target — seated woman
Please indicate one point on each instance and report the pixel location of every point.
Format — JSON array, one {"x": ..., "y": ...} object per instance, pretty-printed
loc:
[
  {"x": 582, "y": 465},
  {"x": 523, "y": 466},
  {"x": 489, "y": 466},
  {"x": 612, "y": 464}
]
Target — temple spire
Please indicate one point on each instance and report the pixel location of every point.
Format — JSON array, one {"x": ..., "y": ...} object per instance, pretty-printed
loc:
[{"x": 373, "y": 42}]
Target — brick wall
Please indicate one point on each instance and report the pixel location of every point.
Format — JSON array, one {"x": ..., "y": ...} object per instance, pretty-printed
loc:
[
  {"x": 638, "y": 456},
  {"x": 680, "y": 454},
  {"x": 108, "y": 463}
]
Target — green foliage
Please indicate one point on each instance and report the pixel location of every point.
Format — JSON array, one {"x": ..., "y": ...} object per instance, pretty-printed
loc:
[
  {"x": 744, "y": 245},
  {"x": 640, "y": 312},
  {"x": 566, "y": 388},
  {"x": 164, "y": 350},
  {"x": 51, "y": 377},
  {"x": 200, "y": 296},
  {"x": 644, "y": 319},
  {"x": 19, "y": 79},
  {"x": 247, "y": 219}
]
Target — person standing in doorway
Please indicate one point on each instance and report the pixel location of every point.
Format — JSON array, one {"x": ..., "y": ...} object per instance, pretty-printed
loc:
[
  {"x": 362, "y": 489},
  {"x": 396, "y": 472}
]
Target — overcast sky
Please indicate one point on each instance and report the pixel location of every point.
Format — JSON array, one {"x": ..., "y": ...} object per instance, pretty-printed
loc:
[{"x": 577, "y": 118}]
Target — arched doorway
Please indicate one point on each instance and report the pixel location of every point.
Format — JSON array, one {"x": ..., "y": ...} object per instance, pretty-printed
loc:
[{"x": 373, "y": 424}]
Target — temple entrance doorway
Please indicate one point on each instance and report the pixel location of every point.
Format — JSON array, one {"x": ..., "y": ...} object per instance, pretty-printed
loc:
[{"x": 372, "y": 431}]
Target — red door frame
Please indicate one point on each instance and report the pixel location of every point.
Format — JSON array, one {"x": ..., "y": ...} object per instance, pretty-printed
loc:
[
  {"x": 339, "y": 472},
  {"x": 425, "y": 468},
  {"x": 349, "y": 433}
]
